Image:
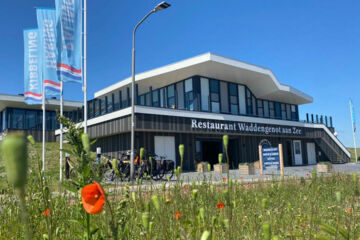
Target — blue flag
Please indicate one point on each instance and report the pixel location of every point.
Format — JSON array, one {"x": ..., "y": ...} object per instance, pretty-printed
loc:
[
  {"x": 352, "y": 115},
  {"x": 46, "y": 19},
  {"x": 69, "y": 27},
  {"x": 32, "y": 67}
]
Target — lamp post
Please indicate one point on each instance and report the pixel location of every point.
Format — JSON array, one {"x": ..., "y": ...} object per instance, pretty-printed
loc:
[{"x": 159, "y": 7}]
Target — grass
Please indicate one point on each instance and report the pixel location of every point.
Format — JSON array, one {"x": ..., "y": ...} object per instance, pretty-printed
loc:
[{"x": 352, "y": 152}]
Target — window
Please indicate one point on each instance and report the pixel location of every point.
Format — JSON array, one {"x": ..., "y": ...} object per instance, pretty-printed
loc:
[
  {"x": 242, "y": 101},
  {"x": 109, "y": 103},
  {"x": 214, "y": 96},
  {"x": 260, "y": 108},
  {"x": 294, "y": 114},
  {"x": 283, "y": 111},
  {"x": 234, "y": 106},
  {"x": 180, "y": 95},
  {"x": 249, "y": 102},
  {"x": 266, "y": 108},
  {"x": 204, "y": 85},
  {"x": 103, "y": 106},
  {"x": 277, "y": 110},
  {"x": 155, "y": 98},
  {"x": 30, "y": 119},
  {"x": 254, "y": 105},
  {"x": 124, "y": 101},
  {"x": 142, "y": 100},
  {"x": 189, "y": 94},
  {"x": 162, "y": 97},
  {"x": 171, "y": 96},
  {"x": 271, "y": 109},
  {"x": 116, "y": 101},
  {"x": 288, "y": 112},
  {"x": 224, "y": 96},
  {"x": 148, "y": 99},
  {"x": 96, "y": 107}
]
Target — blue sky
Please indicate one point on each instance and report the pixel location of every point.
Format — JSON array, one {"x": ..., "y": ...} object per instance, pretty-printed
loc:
[{"x": 312, "y": 45}]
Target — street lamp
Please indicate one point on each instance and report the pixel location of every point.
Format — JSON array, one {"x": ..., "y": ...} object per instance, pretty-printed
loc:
[{"x": 159, "y": 7}]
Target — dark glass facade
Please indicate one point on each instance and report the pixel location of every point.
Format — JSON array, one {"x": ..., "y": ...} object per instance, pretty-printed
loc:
[
  {"x": 198, "y": 94},
  {"x": 30, "y": 119}
]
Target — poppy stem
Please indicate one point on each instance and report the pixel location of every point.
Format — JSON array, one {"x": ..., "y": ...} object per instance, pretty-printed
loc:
[{"x": 88, "y": 226}]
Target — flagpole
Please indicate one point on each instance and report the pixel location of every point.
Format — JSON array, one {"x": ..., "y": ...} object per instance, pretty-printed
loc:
[
  {"x": 353, "y": 129},
  {"x": 61, "y": 128},
  {"x": 43, "y": 127},
  {"x": 85, "y": 68}
]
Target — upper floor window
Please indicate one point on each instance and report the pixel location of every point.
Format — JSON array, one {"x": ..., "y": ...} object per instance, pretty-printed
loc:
[
  {"x": 260, "y": 108},
  {"x": 171, "y": 96},
  {"x": 214, "y": 96},
  {"x": 234, "y": 103},
  {"x": 189, "y": 94},
  {"x": 155, "y": 98}
]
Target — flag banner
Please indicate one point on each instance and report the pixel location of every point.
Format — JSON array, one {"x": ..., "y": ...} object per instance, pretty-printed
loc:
[
  {"x": 32, "y": 67},
  {"x": 352, "y": 115},
  {"x": 46, "y": 19},
  {"x": 69, "y": 27}
]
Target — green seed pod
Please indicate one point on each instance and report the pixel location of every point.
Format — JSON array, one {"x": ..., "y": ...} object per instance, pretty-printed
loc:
[
  {"x": 338, "y": 196},
  {"x": 145, "y": 219},
  {"x": 151, "y": 224},
  {"x": 264, "y": 203},
  {"x": 181, "y": 150},
  {"x": 155, "y": 201},
  {"x": 220, "y": 156},
  {"x": 150, "y": 160},
  {"x": 209, "y": 167},
  {"x": 14, "y": 155},
  {"x": 45, "y": 236},
  {"x": 226, "y": 141},
  {"x": 133, "y": 196},
  {"x": 86, "y": 142},
  {"x": 212, "y": 188},
  {"x": 115, "y": 165},
  {"x": 31, "y": 140},
  {"x": 142, "y": 151},
  {"x": 205, "y": 235},
  {"x": 266, "y": 231}
]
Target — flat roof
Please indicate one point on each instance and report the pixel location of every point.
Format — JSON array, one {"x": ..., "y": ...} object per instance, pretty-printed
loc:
[
  {"x": 18, "y": 101},
  {"x": 261, "y": 81}
]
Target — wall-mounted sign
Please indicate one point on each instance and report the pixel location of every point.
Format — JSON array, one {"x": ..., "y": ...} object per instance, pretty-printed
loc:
[
  {"x": 241, "y": 127},
  {"x": 271, "y": 158}
]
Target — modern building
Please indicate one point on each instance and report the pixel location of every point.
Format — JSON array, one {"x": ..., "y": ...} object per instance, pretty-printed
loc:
[
  {"x": 196, "y": 101},
  {"x": 16, "y": 115}
]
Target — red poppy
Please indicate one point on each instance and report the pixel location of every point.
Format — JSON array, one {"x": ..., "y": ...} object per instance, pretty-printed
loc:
[
  {"x": 224, "y": 179},
  {"x": 186, "y": 187},
  {"x": 178, "y": 215},
  {"x": 308, "y": 174},
  {"x": 348, "y": 210},
  {"x": 93, "y": 198},
  {"x": 241, "y": 178},
  {"x": 220, "y": 205},
  {"x": 46, "y": 212}
]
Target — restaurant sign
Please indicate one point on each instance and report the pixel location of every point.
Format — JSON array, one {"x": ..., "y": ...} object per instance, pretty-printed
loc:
[{"x": 247, "y": 128}]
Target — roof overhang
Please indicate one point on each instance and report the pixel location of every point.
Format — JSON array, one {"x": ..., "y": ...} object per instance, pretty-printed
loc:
[
  {"x": 18, "y": 101},
  {"x": 261, "y": 81}
]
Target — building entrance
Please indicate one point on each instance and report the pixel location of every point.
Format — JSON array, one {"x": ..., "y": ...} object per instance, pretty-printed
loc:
[{"x": 210, "y": 151}]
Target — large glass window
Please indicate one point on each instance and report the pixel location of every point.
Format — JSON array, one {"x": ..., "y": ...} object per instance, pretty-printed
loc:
[
  {"x": 260, "y": 108},
  {"x": 224, "y": 95},
  {"x": 272, "y": 109},
  {"x": 288, "y": 112},
  {"x": 234, "y": 106},
  {"x": 294, "y": 115},
  {"x": 142, "y": 100},
  {"x": 155, "y": 98},
  {"x": 204, "y": 84},
  {"x": 124, "y": 100},
  {"x": 96, "y": 107},
  {"x": 266, "y": 108},
  {"x": 109, "y": 103},
  {"x": 171, "y": 96},
  {"x": 30, "y": 119},
  {"x": 189, "y": 94},
  {"x": 116, "y": 101},
  {"x": 180, "y": 95},
  {"x": 103, "y": 106},
  {"x": 249, "y": 108},
  {"x": 242, "y": 101},
  {"x": 277, "y": 110},
  {"x": 148, "y": 99},
  {"x": 215, "y": 95},
  {"x": 254, "y": 105},
  {"x": 162, "y": 97},
  {"x": 283, "y": 111}
]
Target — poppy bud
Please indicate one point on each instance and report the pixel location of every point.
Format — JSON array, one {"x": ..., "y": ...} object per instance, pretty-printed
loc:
[
  {"x": 133, "y": 196},
  {"x": 202, "y": 213},
  {"x": 209, "y": 167},
  {"x": 212, "y": 188},
  {"x": 181, "y": 150},
  {"x": 31, "y": 139},
  {"x": 264, "y": 203},
  {"x": 226, "y": 141},
  {"x": 150, "y": 160},
  {"x": 145, "y": 219},
  {"x": 205, "y": 235},
  {"x": 142, "y": 151},
  {"x": 220, "y": 157},
  {"x": 86, "y": 142},
  {"x": 155, "y": 201},
  {"x": 14, "y": 154}
]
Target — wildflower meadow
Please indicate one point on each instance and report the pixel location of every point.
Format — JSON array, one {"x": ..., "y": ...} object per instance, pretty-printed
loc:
[{"x": 85, "y": 207}]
